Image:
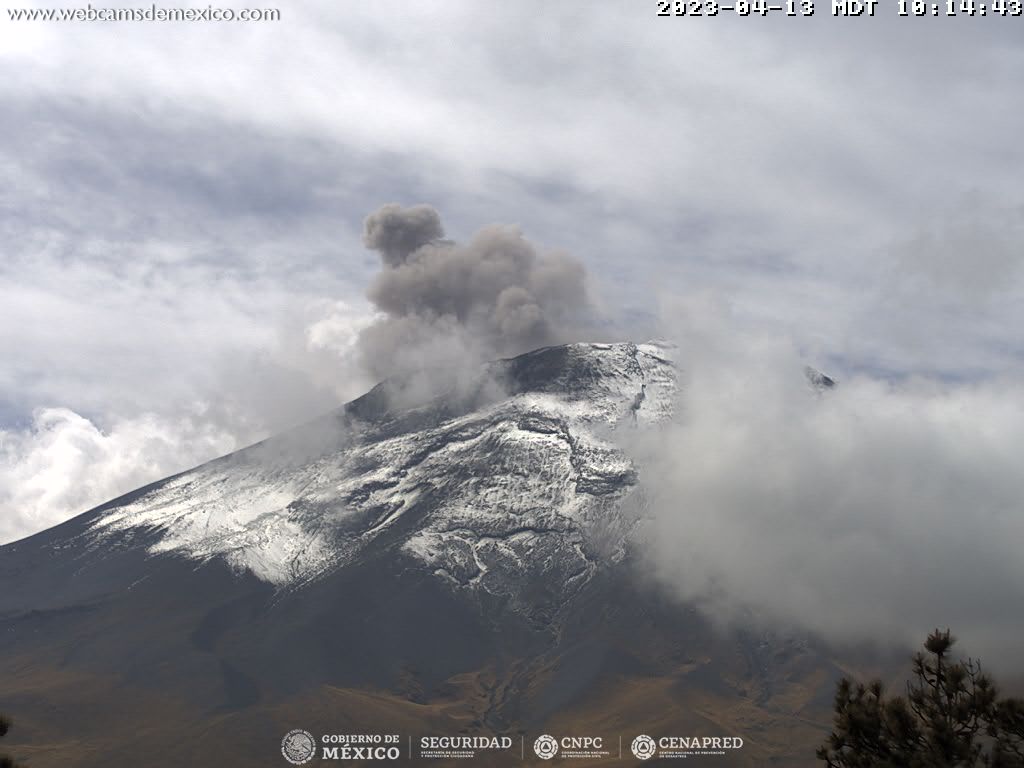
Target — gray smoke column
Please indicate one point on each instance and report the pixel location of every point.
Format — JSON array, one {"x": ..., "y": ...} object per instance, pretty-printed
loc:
[
  {"x": 442, "y": 302},
  {"x": 395, "y": 232}
]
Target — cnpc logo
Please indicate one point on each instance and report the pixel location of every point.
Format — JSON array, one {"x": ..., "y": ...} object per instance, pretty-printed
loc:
[{"x": 546, "y": 747}]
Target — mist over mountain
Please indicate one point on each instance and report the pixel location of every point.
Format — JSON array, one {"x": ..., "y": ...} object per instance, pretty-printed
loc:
[
  {"x": 470, "y": 556},
  {"x": 501, "y": 368}
]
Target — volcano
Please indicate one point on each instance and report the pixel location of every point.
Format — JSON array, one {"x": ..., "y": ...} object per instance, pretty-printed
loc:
[{"x": 453, "y": 559}]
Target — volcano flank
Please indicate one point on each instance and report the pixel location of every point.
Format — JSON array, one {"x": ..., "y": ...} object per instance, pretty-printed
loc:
[{"x": 461, "y": 562}]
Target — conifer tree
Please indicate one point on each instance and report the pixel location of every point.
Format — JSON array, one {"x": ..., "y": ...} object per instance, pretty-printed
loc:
[{"x": 951, "y": 717}]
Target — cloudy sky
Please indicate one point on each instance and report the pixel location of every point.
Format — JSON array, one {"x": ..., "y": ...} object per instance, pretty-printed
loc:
[{"x": 183, "y": 269}]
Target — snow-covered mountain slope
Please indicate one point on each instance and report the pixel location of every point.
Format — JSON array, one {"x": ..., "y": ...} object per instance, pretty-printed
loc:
[
  {"x": 448, "y": 564},
  {"x": 509, "y": 483}
]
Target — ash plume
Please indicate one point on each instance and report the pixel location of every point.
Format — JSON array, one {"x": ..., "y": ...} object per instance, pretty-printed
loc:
[
  {"x": 443, "y": 303},
  {"x": 395, "y": 232}
]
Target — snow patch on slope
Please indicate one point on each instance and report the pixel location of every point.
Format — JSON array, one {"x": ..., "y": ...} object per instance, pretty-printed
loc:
[{"x": 526, "y": 489}]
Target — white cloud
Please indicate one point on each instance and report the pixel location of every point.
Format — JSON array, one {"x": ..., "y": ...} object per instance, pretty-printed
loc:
[
  {"x": 337, "y": 331},
  {"x": 184, "y": 203},
  {"x": 117, "y": 376},
  {"x": 64, "y": 464},
  {"x": 873, "y": 512}
]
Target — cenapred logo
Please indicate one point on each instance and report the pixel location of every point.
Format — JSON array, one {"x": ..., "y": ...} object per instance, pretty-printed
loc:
[
  {"x": 298, "y": 746},
  {"x": 546, "y": 747},
  {"x": 643, "y": 747}
]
